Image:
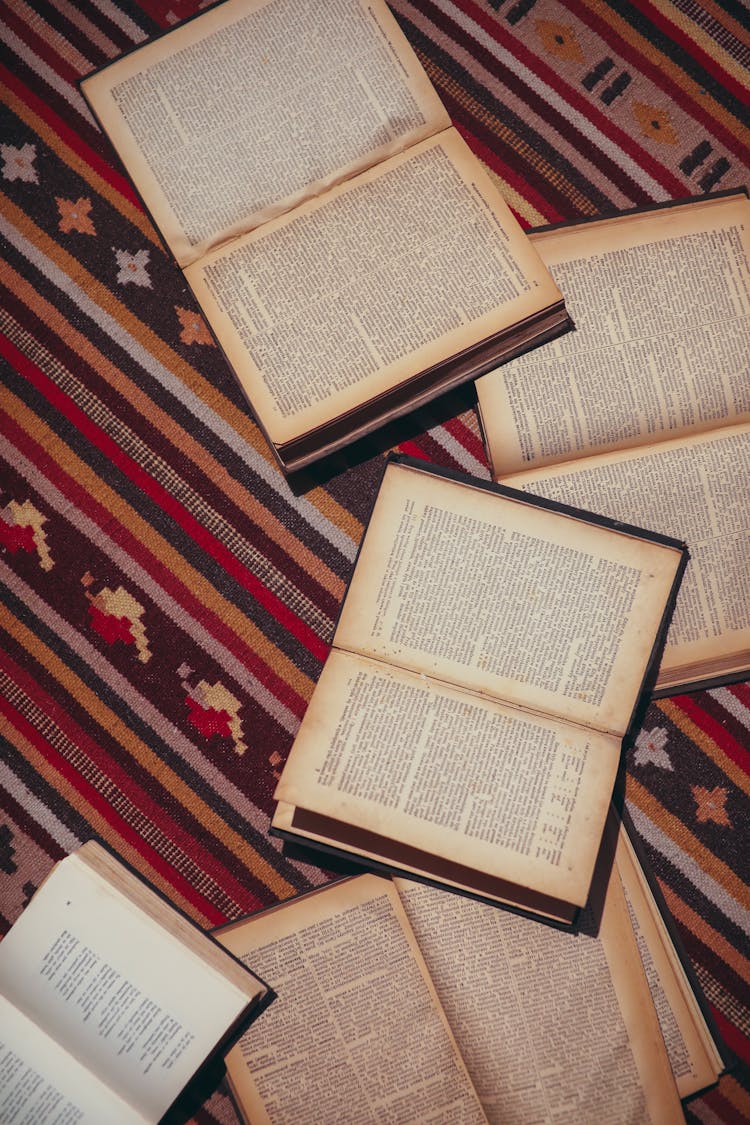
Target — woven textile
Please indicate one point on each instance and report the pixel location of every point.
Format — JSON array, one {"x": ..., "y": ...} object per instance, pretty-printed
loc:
[{"x": 168, "y": 599}]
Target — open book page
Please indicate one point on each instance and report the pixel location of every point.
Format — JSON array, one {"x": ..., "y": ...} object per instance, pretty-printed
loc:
[
  {"x": 553, "y": 1026},
  {"x": 697, "y": 488},
  {"x": 356, "y": 1032},
  {"x": 238, "y": 114},
  {"x": 661, "y": 303},
  {"x": 452, "y": 784},
  {"x": 389, "y": 274},
  {"x": 693, "y": 1055},
  {"x": 516, "y": 601},
  {"x": 41, "y": 1083},
  {"x": 129, "y": 1002}
]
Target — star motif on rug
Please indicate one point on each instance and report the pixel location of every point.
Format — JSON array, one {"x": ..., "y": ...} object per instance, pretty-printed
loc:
[
  {"x": 133, "y": 268},
  {"x": 655, "y": 124},
  {"x": 650, "y": 748},
  {"x": 74, "y": 216},
  {"x": 194, "y": 329},
  {"x": 18, "y": 163},
  {"x": 710, "y": 805},
  {"x": 558, "y": 39}
]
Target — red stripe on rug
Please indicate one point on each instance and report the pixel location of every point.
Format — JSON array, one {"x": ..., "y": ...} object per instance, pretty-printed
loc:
[
  {"x": 732, "y": 1036},
  {"x": 105, "y": 810},
  {"x": 159, "y": 495},
  {"x": 120, "y": 183},
  {"x": 714, "y": 729},
  {"x": 42, "y": 48},
  {"x": 662, "y": 80},
  {"x": 574, "y": 99},
  {"x": 514, "y": 180},
  {"x": 110, "y": 771},
  {"x": 162, "y": 575}
]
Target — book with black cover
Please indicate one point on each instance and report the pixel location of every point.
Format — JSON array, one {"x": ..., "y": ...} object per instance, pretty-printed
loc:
[
  {"x": 350, "y": 254},
  {"x": 485, "y": 672}
]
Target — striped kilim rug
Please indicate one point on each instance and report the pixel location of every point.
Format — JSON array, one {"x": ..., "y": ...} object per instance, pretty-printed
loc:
[{"x": 168, "y": 600}]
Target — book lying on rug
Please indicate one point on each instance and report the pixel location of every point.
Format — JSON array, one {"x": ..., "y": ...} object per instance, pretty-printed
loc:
[
  {"x": 348, "y": 251},
  {"x": 696, "y": 1052},
  {"x": 644, "y": 412},
  {"x": 110, "y": 1000},
  {"x": 398, "y": 994},
  {"x": 468, "y": 723}
]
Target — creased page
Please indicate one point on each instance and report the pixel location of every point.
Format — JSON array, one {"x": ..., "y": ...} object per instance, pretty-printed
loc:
[
  {"x": 537, "y": 1016},
  {"x": 238, "y": 114},
  {"x": 389, "y": 274},
  {"x": 356, "y": 1033},
  {"x": 455, "y": 776},
  {"x": 526, "y": 604},
  {"x": 661, "y": 303},
  {"x": 697, "y": 488}
]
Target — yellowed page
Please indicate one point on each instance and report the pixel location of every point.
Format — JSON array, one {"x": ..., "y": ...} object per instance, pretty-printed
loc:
[
  {"x": 525, "y": 604},
  {"x": 40, "y": 1083},
  {"x": 352, "y": 294},
  {"x": 131, "y": 1004},
  {"x": 553, "y": 1026},
  {"x": 661, "y": 302},
  {"x": 238, "y": 114},
  {"x": 694, "y": 1058},
  {"x": 699, "y": 489},
  {"x": 356, "y": 1032},
  {"x": 455, "y": 775}
]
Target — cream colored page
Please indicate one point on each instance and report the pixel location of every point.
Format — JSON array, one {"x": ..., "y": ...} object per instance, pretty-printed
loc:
[
  {"x": 536, "y": 1014},
  {"x": 356, "y": 1032},
  {"x": 126, "y": 1000},
  {"x": 661, "y": 303},
  {"x": 698, "y": 490},
  {"x": 454, "y": 774},
  {"x": 530, "y": 606},
  {"x": 387, "y": 275},
  {"x": 692, "y": 1053},
  {"x": 237, "y": 115},
  {"x": 41, "y": 1083}
]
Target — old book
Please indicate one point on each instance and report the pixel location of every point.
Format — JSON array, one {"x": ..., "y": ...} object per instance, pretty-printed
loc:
[
  {"x": 399, "y": 1002},
  {"x": 110, "y": 1000},
  {"x": 696, "y": 1052},
  {"x": 350, "y": 254},
  {"x": 644, "y": 412},
  {"x": 468, "y": 723}
]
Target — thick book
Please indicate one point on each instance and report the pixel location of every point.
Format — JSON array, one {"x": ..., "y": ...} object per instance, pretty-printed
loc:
[
  {"x": 398, "y": 1001},
  {"x": 110, "y": 999},
  {"x": 644, "y": 412},
  {"x": 349, "y": 253},
  {"x": 486, "y": 668}
]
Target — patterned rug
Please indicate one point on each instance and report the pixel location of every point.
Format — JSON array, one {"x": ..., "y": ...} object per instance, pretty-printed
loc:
[{"x": 168, "y": 598}]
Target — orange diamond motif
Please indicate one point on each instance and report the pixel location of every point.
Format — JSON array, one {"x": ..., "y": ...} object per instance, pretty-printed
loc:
[
  {"x": 655, "y": 124},
  {"x": 558, "y": 39},
  {"x": 194, "y": 330}
]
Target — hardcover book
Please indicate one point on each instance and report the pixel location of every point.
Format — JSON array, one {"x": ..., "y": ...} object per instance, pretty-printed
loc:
[
  {"x": 350, "y": 254},
  {"x": 644, "y": 412},
  {"x": 110, "y": 1000},
  {"x": 486, "y": 667},
  {"x": 397, "y": 1001}
]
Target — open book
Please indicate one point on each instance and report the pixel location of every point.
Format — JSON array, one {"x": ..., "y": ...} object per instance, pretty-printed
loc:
[
  {"x": 397, "y": 1001},
  {"x": 468, "y": 723},
  {"x": 350, "y": 254},
  {"x": 110, "y": 999},
  {"x": 644, "y": 412}
]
